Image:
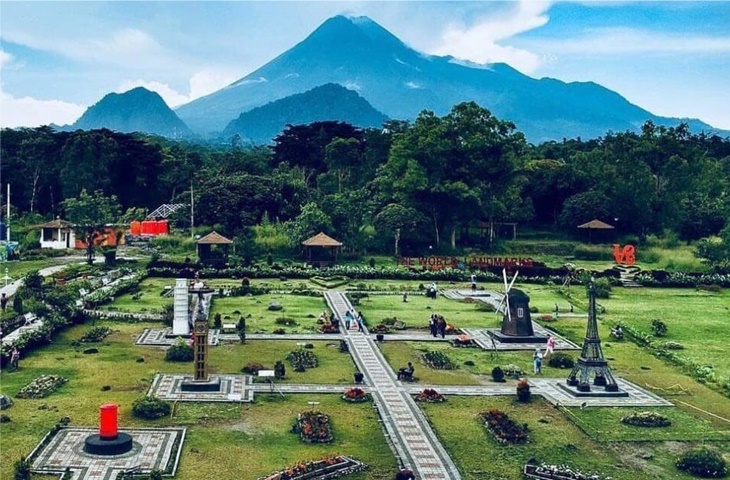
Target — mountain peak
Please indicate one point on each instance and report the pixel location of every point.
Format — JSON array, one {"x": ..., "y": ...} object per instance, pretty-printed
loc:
[
  {"x": 136, "y": 110},
  {"x": 353, "y": 29}
]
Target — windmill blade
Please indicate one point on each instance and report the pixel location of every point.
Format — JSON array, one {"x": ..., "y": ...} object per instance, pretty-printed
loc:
[
  {"x": 499, "y": 307},
  {"x": 509, "y": 312},
  {"x": 513, "y": 280},
  {"x": 504, "y": 275}
]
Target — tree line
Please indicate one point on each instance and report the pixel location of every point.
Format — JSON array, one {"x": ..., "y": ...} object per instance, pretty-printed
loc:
[{"x": 415, "y": 184}]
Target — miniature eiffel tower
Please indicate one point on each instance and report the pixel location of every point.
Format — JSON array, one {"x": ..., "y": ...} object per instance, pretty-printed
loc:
[{"x": 591, "y": 363}]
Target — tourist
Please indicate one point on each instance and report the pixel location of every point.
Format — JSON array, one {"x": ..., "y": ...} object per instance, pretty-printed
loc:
[
  {"x": 14, "y": 358},
  {"x": 550, "y": 346},
  {"x": 537, "y": 362},
  {"x": 360, "y": 322},
  {"x": 473, "y": 282},
  {"x": 571, "y": 308},
  {"x": 442, "y": 326},
  {"x": 406, "y": 372},
  {"x": 432, "y": 325},
  {"x": 3, "y": 302},
  {"x": 348, "y": 319},
  {"x": 405, "y": 474},
  {"x": 405, "y": 297}
]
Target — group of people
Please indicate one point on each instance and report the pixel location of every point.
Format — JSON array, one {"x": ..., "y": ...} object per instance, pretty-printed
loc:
[
  {"x": 353, "y": 316},
  {"x": 437, "y": 325},
  {"x": 327, "y": 319},
  {"x": 538, "y": 356}
]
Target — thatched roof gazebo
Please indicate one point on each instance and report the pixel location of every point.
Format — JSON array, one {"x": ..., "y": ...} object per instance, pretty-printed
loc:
[
  {"x": 595, "y": 224},
  {"x": 321, "y": 250},
  {"x": 213, "y": 249}
]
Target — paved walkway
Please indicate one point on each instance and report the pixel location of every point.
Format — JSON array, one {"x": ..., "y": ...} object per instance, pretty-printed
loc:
[{"x": 413, "y": 439}]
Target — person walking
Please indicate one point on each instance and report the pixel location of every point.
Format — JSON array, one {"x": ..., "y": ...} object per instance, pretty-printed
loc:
[
  {"x": 360, "y": 322},
  {"x": 550, "y": 348},
  {"x": 432, "y": 325}
]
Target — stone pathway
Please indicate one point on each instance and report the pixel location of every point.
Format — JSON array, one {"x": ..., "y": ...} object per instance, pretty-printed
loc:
[
  {"x": 162, "y": 337},
  {"x": 154, "y": 448},
  {"x": 234, "y": 388},
  {"x": 415, "y": 443}
]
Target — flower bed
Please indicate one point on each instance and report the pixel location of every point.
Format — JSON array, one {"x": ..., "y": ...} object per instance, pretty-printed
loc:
[
  {"x": 646, "y": 419},
  {"x": 356, "y": 395},
  {"x": 330, "y": 282},
  {"x": 430, "y": 395},
  {"x": 438, "y": 360},
  {"x": 313, "y": 427},
  {"x": 42, "y": 386},
  {"x": 504, "y": 429},
  {"x": 463, "y": 341},
  {"x": 559, "y": 472},
  {"x": 331, "y": 467},
  {"x": 302, "y": 359}
]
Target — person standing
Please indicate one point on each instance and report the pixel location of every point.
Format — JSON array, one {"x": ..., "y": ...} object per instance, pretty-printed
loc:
[
  {"x": 473, "y": 282},
  {"x": 3, "y": 302},
  {"x": 537, "y": 362},
  {"x": 442, "y": 326},
  {"x": 14, "y": 358},
  {"x": 360, "y": 322}
]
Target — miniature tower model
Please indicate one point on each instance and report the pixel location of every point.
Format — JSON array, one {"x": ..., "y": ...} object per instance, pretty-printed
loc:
[
  {"x": 591, "y": 363},
  {"x": 181, "y": 315},
  {"x": 200, "y": 344},
  {"x": 200, "y": 381}
]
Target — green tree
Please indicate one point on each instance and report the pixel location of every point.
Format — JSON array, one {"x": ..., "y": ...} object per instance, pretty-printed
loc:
[
  {"x": 90, "y": 212},
  {"x": 396, "y": 220},
  {"x": 310, "y": 221}
]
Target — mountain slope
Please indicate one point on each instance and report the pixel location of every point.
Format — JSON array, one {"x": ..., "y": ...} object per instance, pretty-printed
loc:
[
  {"x": 137, "y": 110},
  {"x": 326, "y": 102},
  {"x": 400, "y": 82}
]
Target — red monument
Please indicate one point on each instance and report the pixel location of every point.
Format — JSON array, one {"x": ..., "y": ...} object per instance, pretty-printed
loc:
[{"x": 109, "y": 441}]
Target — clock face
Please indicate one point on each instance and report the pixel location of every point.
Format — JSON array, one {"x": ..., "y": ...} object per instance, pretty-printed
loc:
[{"x": 200, "y": 328}]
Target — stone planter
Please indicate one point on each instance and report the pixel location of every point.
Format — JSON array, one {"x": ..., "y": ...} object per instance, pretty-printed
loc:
[
  {"x": 380, "y": 337},
  {"x": 359, "y": 376}
]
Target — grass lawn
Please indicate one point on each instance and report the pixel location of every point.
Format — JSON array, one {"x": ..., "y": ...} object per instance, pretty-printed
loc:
[
  {"x": 222, "y": 434},
  {"x": 553, "y": 439},
  {"x": 302, "y": 309},
  {"x": 399, "y": 353},
  {"x": 18, "y": 269}
]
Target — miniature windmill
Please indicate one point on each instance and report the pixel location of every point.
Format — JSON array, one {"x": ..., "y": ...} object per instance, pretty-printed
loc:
[{"x": 516, "y": 321}]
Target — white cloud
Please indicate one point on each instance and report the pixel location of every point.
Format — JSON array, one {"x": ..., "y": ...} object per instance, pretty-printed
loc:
[
  {"x": 32, "y": 112},
  {"x": 620, "y": 41},
  {"x": 482, "y": 42},
  {"x": 129, "y": 47},
  {"x": 200, "y": 84}
]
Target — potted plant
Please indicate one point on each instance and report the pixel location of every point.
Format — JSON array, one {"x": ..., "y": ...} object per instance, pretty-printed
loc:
[{"x": 359, "y": 377}]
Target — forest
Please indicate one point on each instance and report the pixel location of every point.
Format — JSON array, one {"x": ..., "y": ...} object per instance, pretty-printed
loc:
[{"x": 422, "y": 182}]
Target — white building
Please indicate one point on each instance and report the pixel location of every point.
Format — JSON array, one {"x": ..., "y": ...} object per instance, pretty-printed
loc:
[{"x": 57, "y": 234}]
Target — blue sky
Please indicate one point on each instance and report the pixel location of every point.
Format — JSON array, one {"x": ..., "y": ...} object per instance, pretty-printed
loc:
[{"x": 57, "y": 58}]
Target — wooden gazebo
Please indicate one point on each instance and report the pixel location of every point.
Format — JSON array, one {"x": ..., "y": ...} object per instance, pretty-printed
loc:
[
  {"x": 213, "y": 249},
  {"x": 321, "y": 250},
  {"x": 595, "y": 224}
]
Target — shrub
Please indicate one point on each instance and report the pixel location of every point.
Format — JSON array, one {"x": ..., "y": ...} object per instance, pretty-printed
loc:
[
  {"x": 673, "y": 346},
  {"x": 512, "y": 371},
  {"x": 217, "y": 321},
  {"x": 658, "y": 328},
  {"x": 438, "y": 360},
  {"x": 279, "y": 370},
  {"x": 602, "y": 288},
  {"x": 155, "y": 474},
  {"x": 180, "y": 351},
  {"x": 302, "y": 359},
  {"x": 252, "y": 368},
  {"x": 279, "y": 331},
  {"x": 498, "y": 374},
  {"x": 561, "y": 360},
  {"x": 703, "y": 462},
  {"x": 150, "y": 408},
  {"x": 646, "y": 419},
  {"x": 275, "y": 306},
  {"x": 96, "y": 334},
  {"x": 523, "y": 391},
  {"x": 22, "y": 469}
]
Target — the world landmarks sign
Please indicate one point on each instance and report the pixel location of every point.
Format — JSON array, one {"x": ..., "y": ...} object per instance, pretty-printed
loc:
[{"x": 471, "y": 262}]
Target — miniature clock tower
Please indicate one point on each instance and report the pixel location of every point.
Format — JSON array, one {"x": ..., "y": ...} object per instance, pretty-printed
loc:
[{"x": 200, "y": 345}]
